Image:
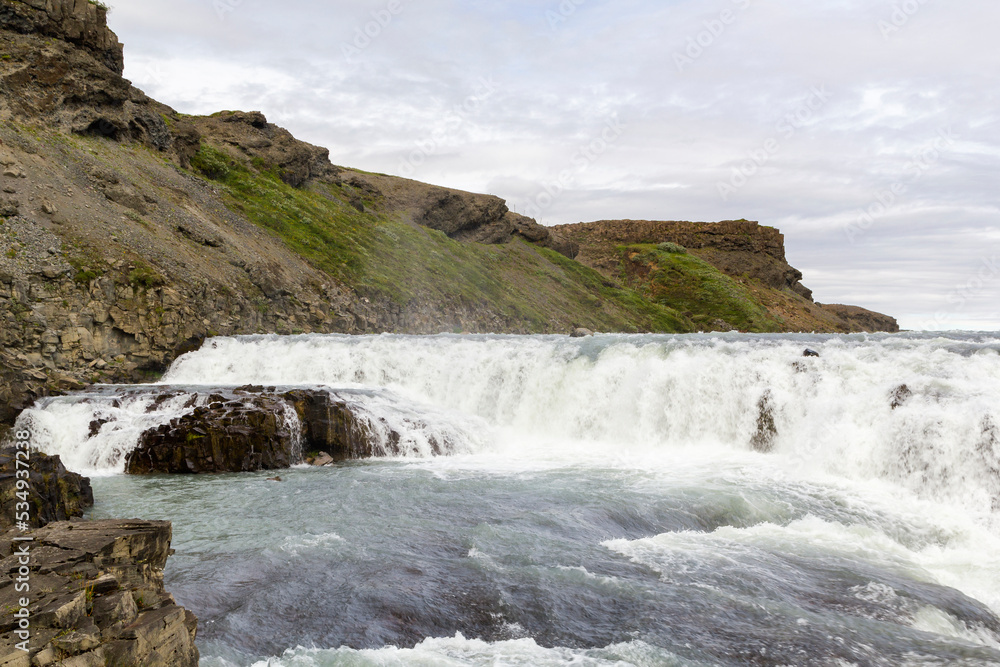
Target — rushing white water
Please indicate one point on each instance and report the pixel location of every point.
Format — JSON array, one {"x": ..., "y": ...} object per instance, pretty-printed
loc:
[
  {"x": 834, "y": 413},
  {"x": 794, "y": 492}
]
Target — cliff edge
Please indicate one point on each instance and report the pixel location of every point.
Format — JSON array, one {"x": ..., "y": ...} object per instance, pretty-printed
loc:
[{"x": 751, "y": 254}]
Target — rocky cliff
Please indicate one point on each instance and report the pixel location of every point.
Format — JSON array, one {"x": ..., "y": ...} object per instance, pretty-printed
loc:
[
  {"x": 751, "y": 254},
  {"x": 129, "y": 232}
]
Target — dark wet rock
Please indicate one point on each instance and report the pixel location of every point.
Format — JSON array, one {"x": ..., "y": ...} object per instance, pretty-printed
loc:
[
  {"x": 97, "y": 597},
  {"x": 97, "y": 424},
  {"x": 810, "y": 353},
  {"x": 53, "y": 493},
  {"x": 899, "y": 396},
  {"x": 236, "y": 436},
  {"x": 331, "y": 425},
  {"x": 988, "y": 450},
  {"x": 766, "y": 432}
]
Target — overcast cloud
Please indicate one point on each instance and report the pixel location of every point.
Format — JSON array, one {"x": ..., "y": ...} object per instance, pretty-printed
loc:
[{"x": 867, "y": 131}]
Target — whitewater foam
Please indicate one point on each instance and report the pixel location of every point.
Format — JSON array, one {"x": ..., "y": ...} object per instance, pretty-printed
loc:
[{"x": 920, "y": 411}]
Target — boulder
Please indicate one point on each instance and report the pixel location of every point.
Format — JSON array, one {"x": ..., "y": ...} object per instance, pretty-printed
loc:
[
  {"x": 322, "y": 459},
  {"x": 899, "y": 396},
  {"x": 240, "y": 435},
  {"x": 54, "y": 493}
]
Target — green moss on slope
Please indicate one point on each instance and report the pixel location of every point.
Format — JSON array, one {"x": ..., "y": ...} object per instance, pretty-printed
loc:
[
  {"x": 389, "y": 259},
  {"x": 689, "y": 284}
]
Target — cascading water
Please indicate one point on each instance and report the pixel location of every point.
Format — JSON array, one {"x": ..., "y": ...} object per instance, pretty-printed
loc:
[{"x": 683, "y": 500}]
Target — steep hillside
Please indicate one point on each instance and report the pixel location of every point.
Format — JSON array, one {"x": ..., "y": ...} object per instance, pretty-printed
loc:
[{"x": 129, "y": 232}]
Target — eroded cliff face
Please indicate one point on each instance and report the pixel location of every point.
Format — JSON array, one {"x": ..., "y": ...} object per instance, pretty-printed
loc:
[
  {"x": 98, "y": 597},
  {"x": 115, "y": 259},
  {"x": 79, "y": 22}
]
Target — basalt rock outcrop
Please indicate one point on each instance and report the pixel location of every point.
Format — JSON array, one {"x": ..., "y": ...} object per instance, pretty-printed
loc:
[
  {"x": 96, "y": 597},
  {"x": 861, "y": 319},
  {"x": 72, "y": 79},
  {"x": 330, "y": 425},
  {"x": 737, "y": 247},
  {"x": 52, "y": 492},
  {"x": 81, "y": 592},
  {"x": 258, "y": 428},
  {"x": 461, "y": 215},
  {"x": 78, "y": 22},
  {"x": 238, "y": 435}
]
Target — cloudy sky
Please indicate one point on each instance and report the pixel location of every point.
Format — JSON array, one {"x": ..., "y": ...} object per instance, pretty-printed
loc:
[{"x": 868, "y": 131}]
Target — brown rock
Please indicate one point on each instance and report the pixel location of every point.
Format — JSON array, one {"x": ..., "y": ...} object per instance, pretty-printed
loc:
[
  {"x": 81, "y": 23},
  {"x": 863, "y": 320},
  {"x": 322, "y": 459}
]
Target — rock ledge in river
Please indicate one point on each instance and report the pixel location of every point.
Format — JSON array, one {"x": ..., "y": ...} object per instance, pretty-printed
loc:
[{"x": 239, "y": 435}]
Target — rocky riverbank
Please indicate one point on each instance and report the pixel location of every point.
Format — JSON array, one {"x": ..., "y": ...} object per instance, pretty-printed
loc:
[{"x": 82, "y": 593}]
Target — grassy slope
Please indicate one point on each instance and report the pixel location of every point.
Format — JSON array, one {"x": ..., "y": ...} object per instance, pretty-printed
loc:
[
  {"x": 692, "y": 285},
  {"x": 385, "y": 258}
]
